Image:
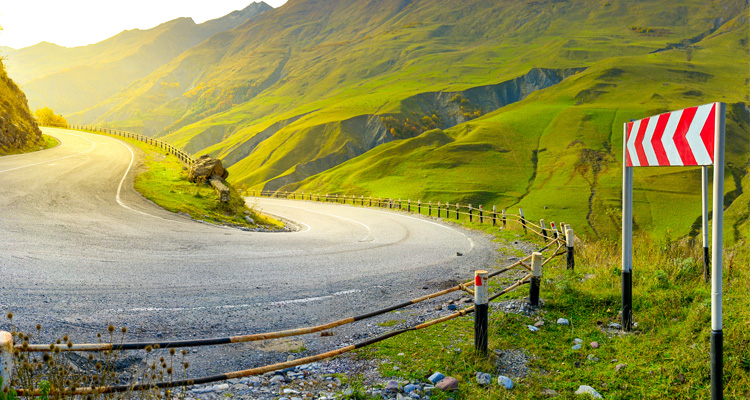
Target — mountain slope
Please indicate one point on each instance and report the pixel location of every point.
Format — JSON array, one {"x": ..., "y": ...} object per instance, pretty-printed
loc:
[
  {"x": 73, "y": 79},
  {"x": 325, "y": 65},
  {"x": 558, "y": 153},
  {"x": 18, "y": 129}
]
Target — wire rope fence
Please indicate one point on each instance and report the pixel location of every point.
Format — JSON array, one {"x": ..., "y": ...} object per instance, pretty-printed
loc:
[{"x": 15, "y": 345}]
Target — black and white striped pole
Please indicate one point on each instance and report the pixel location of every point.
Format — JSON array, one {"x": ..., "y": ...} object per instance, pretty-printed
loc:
[
  {"x": 554, "y": 229},
  {"x": 570, "y": 244},
  {"x": 523, "y": 220},
  {"x": 544, "y": 229},
  {"x": 481, "y": 298},
  {"x": 717, "y": 334},
  {"x": 6, "y": 358},
  {"x": 704, "y": 222},
  {"x": 536, "y": 278}
]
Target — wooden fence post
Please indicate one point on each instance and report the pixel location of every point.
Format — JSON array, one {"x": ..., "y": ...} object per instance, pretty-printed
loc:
[
  {"x": 494, "y": 215},
  {"x": 458, "y": 211},
  {"x": 447, "y": 210},
  {"x": 408, "y": 205},
  {"x": 6, "y": 358},
  {"x": 429, "y": 209},
  {"x": 438, "y": 209},
  {"x": 503, "y": 218},
  {"x": 481, "y": 298},
  {"x": 481, "y": 214},
  {"x": 554, "y": 229},
  {"x": 419, "y": 206},
  {"x": 523, "y": 220},
  {"x": 544, "y": 229},
  {"x": 570, "y": 241},
  {"x": 536, "y": 278},
  {"x": 471, "y": 212}
]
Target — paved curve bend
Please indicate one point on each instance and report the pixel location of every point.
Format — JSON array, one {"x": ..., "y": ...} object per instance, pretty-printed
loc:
[{"x": 80, "y": 249}]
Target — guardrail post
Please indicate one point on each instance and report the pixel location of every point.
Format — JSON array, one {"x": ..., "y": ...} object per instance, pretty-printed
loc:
[
  {"x": 480, "y": 311},
  {"x": 544, "y": 229},
  {"x": 6, "y": 358},
  {"x": 481, "y": 214},
  {"x": 554, "y": 229},
  {"x": 458, "y": 211},
  {"x": 419, "y": 206},
  {"x": 503, "y": 218},
  {"x": 408, "y": 205},
  {"x": 569, "y": 238},
  {"x": 536, "y": 278},
  {"x": 494, "y": 215},
  {"x": 471, "y": 212},
  {"x": 429, "y": 209},
  {"x": 447, "y": 210},
  {"x": 523, "y": 220},
  {"x": 438, "y": 209}
]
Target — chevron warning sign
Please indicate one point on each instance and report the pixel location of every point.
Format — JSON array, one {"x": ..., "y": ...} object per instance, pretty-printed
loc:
[{"x": 678, "y": 138}]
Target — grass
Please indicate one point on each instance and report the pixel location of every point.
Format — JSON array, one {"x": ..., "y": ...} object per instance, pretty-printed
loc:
[
  {"x": 667, "y": 355},
  {"x": 47, "y": 142},
  {"x": 163, "y": 180}
]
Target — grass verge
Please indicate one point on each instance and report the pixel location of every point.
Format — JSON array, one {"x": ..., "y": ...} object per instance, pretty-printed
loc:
[
  {"x": 47, "y": 142},
  {"x": 163, "y": 180},
  {"x": 666, "y": 356}
]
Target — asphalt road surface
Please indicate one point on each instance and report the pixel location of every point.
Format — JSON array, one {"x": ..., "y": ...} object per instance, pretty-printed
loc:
[{"x": 80, "y": 248}]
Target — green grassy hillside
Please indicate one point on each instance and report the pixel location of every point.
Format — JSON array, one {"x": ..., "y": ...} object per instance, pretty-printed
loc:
[
  {"x": 74, "y": 79},
  {"x": 433, "y": 100},
  {"x": 558, "y": 153}
]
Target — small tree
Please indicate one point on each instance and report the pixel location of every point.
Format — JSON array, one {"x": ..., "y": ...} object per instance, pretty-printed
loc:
[{"x": 46, "y": 117}]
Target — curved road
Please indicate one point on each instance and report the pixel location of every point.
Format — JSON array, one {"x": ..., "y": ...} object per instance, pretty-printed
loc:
[{"x": 79, "y": 248}]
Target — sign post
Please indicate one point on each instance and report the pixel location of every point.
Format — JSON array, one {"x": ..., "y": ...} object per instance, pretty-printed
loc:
[{"x": 690, "y": 137}]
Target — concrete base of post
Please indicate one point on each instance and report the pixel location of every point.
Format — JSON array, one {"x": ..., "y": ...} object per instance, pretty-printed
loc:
[
  {"x": 627, "y": 300},
  {"x": 717, "y": 365},
  {"x": 6, "y": 358}
]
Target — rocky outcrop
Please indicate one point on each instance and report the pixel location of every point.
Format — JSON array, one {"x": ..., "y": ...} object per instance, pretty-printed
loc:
[
  {"x": 18, "y": 129},
  {"x": 205, "y": 168}
]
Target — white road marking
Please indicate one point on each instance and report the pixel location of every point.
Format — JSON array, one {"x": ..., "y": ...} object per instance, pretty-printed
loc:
[
  {"x": 367, "y": 238},
  {"x": 92, "y": 147}
]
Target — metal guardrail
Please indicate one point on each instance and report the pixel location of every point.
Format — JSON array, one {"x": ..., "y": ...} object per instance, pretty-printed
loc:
[{"x": 184, "y": 157}]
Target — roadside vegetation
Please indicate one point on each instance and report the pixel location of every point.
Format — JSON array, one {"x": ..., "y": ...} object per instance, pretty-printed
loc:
[
  {"x": 46, "y": 117},
  {"x": 163, "y": 180},
  {"x": 665, "y": 356}
]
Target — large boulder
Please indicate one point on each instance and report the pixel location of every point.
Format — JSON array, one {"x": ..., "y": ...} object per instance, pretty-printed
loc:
[{"x": 205, "y": 167}]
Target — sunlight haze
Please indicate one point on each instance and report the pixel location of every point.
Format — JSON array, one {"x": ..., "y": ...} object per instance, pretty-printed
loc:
[{"x": 82, "y": 22}]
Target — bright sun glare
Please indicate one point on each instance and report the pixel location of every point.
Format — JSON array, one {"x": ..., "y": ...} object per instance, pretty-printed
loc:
[{"x": 81, "y": 22}]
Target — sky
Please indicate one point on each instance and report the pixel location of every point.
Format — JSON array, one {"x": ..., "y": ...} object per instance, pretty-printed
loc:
[{"x": 73, "y": 23}]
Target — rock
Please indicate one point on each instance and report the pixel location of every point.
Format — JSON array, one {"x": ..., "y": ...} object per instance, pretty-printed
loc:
[
  {"x": 592, "y": 358},
  {"x": 539, "y": 323},
  {"x": 594, "y": 345},
  {"x": 484, "y": 379},
  {"x": 615, "y": 325},
  {"x": 577, "y": 347},
  {"x": 277, "y": 379},
  {"x": 618, "y": 367},
  {"x": 447, "y": 384},
  {"x": 549, "y": 392},
  {"x": 223, "y": 386},
  {"x": 436, "y": 377},
  {"x": 391, "y": 386},
  {"x": 410, "y": 388},
  {"x": 584, "y": 389},
  {"x": 290, "y": 391},
  {"x": 563, "y": 321},
  {"x": 452, "y": 307},
  {"x": 505, "y": 382},
  {"x": 205, "y": 167},
  {"x": 577, "y": 341},
  {"x": 400, "y": 354},
  {"x": 532, "y": 328}
]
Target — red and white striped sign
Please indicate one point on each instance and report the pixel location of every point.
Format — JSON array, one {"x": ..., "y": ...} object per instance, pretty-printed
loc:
[{"x": 678, "y": 138}]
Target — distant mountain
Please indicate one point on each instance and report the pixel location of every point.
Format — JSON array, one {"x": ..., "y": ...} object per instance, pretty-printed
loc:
[
  {"x": 513, "y": 103},
  {"x": 18, "y": 129},
  {"x": 73, "y": 79}
]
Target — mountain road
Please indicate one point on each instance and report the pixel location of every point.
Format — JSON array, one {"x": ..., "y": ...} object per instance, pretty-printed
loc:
[{"x": 80, "y": 249}]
